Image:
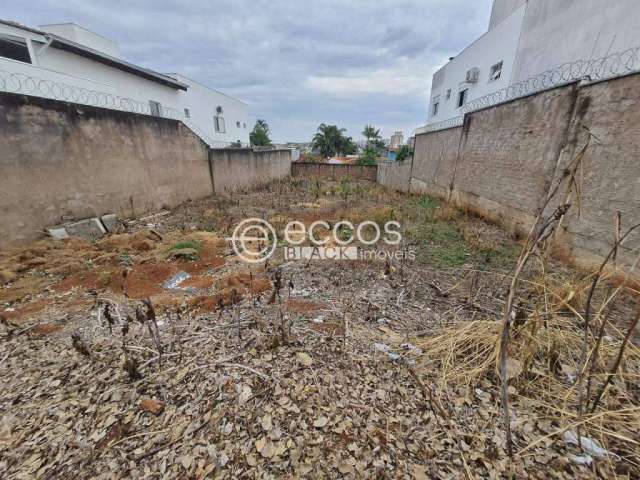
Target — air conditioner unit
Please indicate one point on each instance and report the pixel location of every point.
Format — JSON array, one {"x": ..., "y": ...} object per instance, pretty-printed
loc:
[{"x": 472, "y": 75}]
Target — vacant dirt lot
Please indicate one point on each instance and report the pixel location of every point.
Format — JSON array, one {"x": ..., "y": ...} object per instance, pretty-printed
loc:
[{"x": 157, "y": 352}]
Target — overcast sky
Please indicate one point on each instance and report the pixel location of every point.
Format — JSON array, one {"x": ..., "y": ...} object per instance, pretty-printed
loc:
[{"x": 296, "y": 62}]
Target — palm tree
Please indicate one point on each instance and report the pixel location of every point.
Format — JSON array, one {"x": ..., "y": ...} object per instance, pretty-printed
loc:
[
  {"x": 259, "y": 136},
  {"x": 329, "y": 140},
  {"x": 370, "y": 133},
  {"x": 262, "y": 124}
]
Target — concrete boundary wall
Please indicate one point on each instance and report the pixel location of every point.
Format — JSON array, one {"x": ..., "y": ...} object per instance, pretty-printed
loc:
[
  {"x": 395, "y": 175},
  {"x": 237, "y": 168},
  {"x": 504, "y": 159},
  {"x": 62, "y": 161},
  {"x": 335, "y": 171}
]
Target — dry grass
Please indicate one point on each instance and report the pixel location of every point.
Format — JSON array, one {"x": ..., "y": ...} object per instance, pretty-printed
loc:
[{"x": 544, "y": 357}]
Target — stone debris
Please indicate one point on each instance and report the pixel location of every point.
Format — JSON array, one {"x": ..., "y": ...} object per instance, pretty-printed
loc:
[
  {"x": 58, "y": 233},
  {"x": 89, "y": 228},
  {"x": 111, "y": 223}
]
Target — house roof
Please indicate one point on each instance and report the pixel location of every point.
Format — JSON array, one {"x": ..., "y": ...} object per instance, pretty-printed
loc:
[{"x": 84, "y": 51}]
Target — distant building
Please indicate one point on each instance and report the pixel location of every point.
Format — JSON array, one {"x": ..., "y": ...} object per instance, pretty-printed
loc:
[
  {"x": 68, "y": 62},
  {"x": 526, "y": 38},
  {"x": 304, "y": 147},
  {"x": 396, "y": 140}
]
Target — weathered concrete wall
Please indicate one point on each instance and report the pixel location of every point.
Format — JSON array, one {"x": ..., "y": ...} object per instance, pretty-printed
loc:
[
  {"x": 435, "y": 158},
  {"x": 504, "y": 159},
  {"x": 235, "y": 168},
  {"x": 335, "y": 171},
  {"x": 610, "y": 175},
  {"x": 58, "y": 159},
  {"x": 395, "y": 175},
  {"x": 508, "y": 155}
]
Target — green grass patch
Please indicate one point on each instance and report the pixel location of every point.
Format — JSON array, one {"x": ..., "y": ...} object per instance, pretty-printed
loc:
[
  {"x": 428, "y": 203},
  {"x": 187, "y": 244},
  {"x": 441, "y": 244},
  {"x": 502, "y": 256},
  {"x": 419, "y": 208}
]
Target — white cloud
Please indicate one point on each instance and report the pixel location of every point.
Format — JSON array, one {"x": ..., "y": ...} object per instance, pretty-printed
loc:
[{"x": 384, "y": 81}]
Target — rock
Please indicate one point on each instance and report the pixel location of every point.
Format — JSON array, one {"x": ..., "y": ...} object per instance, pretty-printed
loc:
[
  {"x": 7, "y": 276},
  {"x": 57, "y": 233},
  {"x": 143, "y": 245},
  {"x": 188, "y": 253},
  {"x": 152, "y": 406},
  {"x": 90, "y": 229},
  {"x": 111, "y": 222}
]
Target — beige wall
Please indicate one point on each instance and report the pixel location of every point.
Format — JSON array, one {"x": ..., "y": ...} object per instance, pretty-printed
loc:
[
  {"x": 236, "y": 168},
  {"x": 395, "y": 175},
  {"x": 610, "y": 177},
  {"x": 66, "y": 160},
  {"x": 335, "y": 171},
  {"x": 503, "y": 160},
  {"x": 61, "y": 159},
  {"x": 434, "y": 161}
]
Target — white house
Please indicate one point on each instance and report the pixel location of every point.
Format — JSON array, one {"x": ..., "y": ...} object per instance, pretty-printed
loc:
[
  {"x": 67, "y": 61},
  {"x": 526, "y": 38}
]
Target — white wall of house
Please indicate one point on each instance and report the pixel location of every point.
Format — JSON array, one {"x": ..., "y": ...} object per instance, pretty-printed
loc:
[
  {"x": 497, "y": 45},
  {"x": 556, "y": 32},
  {"x": 85, "y": 37},
  {"x": 502, "y": 9},
  {"x": 531, "y": 37},
  {"x": 49, "y": 63},
  {"x": 125, "y": 84},
  {"x": 203, "y": 102}
]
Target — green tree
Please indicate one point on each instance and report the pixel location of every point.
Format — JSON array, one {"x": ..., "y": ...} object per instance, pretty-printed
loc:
[
  {"x": 348, "y": 146},
  {"x": 370, "y": 133},
  {"x": 368, "y": 157},
  {"x": 330, "y": 140},
  {"x": 403, "y": 153},
  {"x": 259, "y": 136},
  {"x": 378, "y": 145}
]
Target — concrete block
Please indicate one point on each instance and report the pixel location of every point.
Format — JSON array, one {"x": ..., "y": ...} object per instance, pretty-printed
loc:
[
  {"x": 90, "y": 229},
  {"x": 111, "y": 222},
  {"x": 58, "y": 233}
]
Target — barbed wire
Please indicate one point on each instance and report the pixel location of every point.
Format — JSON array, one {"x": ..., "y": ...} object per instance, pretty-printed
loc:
[
  {"x": 611, "y": 66},
  {"x": 592, "y": 70},
  {"x": 29, "y": 85}
]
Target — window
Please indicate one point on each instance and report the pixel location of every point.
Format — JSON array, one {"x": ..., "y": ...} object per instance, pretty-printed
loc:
[
  {"x": 219, "y": 124},
  {"x": 436, "y": 106},
  {"x": 238, "y": 124},
  {"x": 448, "y": 94},
  {"x": 187, "y": 113},
  {"x": 462, "y": 97},
  {"x": 14, "y": 48},
  {"x": 495, "y": 72},
  {"x": 155, "y": 108}
]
